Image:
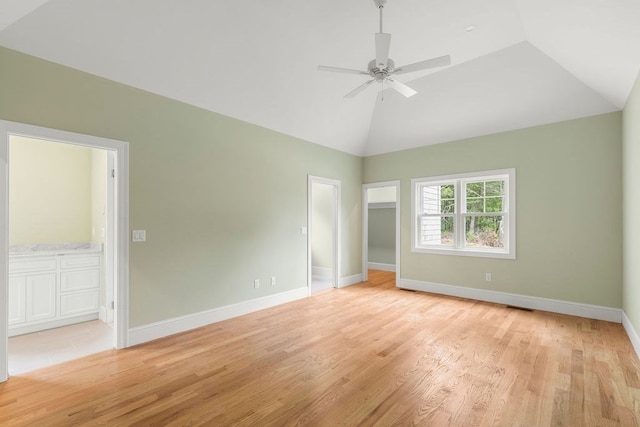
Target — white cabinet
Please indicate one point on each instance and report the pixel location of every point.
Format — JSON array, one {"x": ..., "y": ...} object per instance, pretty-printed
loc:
[
  {"x": 41, "y": 297},
  {"x": 17, "y": 295},
  {"x": 79, "y": 284},
  {"x": 52, "y": 291}
]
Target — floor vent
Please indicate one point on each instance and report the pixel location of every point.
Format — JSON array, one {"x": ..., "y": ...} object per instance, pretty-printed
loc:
[{"x": 519, "y": 308}]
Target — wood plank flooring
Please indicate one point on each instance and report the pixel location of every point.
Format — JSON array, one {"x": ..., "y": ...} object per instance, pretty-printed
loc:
[{"x": 369, "y": 354}]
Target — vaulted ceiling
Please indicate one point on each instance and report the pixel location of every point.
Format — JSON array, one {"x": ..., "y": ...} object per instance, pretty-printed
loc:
[{"x": 526, "y": 63}]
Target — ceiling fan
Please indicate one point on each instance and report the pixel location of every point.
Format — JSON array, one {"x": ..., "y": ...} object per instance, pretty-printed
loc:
[{"x": 382, "y": 67}]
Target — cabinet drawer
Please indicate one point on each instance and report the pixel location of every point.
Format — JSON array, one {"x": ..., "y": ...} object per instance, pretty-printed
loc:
[
  {"x": 29, "y": 265},
  {"x": 79, "y": 280},
  {"x": 79, "y": 261},
  {"x": 79, "y": 303}
]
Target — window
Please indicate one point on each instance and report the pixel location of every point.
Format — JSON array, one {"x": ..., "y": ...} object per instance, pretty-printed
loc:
[{"x": 469, "y": 214}]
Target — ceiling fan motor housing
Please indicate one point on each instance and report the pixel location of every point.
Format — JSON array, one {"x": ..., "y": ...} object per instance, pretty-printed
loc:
[{"x": 380, "y": 73}]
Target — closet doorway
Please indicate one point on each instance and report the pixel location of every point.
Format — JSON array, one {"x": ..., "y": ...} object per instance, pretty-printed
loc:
[{"x": 381, "y": 227}]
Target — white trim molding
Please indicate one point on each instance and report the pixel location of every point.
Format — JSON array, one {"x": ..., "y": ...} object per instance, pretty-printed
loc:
[
  {"x": 350, "y": 280},
  {"x": 535, "y": 303},
  {"x": 632, "y": 333},
  {"x": 381, "y": 266},
  {"x": 153, "y": 331}
]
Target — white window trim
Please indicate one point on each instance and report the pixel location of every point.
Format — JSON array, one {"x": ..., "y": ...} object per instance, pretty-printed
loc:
[{"x": 509, "y": 252}]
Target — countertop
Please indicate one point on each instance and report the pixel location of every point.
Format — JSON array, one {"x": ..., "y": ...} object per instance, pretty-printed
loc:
[{"x": 51, "y": 249}]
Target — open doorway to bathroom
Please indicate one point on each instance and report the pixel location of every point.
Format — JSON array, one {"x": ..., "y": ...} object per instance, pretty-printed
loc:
[
  {"x": 61, "y": 283},
  {"x": 72, "y": 276},
  {"x": 324, "y": 229}
]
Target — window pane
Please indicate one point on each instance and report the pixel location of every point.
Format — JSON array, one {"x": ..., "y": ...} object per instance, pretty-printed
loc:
[
  {"x": 475, "y": 189},
  {"x": 484, "y": 231},
  {"x": 475, "y": 205},
  {"x": 494, "y": 188},
  {"x": 436, "y": 230},
  {"x": 494, "y": 204},
  {"x": 437, "y": 199},
  {"x": 448, "y": 206},
  {"x": 485, "y": 196}
]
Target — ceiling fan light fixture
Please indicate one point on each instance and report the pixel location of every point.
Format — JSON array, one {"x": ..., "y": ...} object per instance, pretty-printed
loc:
[{"x": 470, "y": 28}]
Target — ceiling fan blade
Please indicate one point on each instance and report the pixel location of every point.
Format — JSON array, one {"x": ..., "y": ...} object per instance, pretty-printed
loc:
[
  {"x": 440, "y": 61},
  {"x": 340, "y": 70},
  {"x": 383, "y": 44},
  {"x": 401, "y": 87},
  {"x": 359, "y": 89}
]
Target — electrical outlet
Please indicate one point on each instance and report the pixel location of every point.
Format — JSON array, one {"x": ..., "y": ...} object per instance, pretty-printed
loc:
[
  {"x": 487, "y": 277},
  {"x": 273, "y": 280},
  {"x": 256, "y": 283}
]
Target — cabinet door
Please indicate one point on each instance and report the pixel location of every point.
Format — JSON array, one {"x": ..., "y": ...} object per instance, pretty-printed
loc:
[
  {"x": 17, "y": 294},
  {"x": 41, "y": 297}
]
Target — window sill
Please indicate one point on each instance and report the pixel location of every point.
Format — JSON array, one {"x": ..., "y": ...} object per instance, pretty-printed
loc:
[{"x": 466, "y": 252}]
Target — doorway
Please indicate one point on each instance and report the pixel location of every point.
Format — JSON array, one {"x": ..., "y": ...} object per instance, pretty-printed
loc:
[
  {"x": 60, "y": 215},
  {"x": 115, "y": 256},
  {"x": 323, "y": 236},
  {"x": 381, "y": 227}
]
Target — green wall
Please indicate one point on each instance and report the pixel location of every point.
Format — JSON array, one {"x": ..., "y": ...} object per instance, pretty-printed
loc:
[
  {"x": 222, "y": 200},
  {"x": 631, "y": 168},
  {"x": 382, "y": 235},
  {"x": 569, "y": 209}
]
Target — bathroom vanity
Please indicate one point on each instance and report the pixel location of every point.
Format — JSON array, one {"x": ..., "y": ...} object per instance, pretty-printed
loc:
[{"x": 52, "y": 285}]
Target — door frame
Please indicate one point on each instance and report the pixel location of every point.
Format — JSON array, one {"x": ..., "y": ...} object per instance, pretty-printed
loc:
[
  {"x": 336, "y": 231},
  {"x": 365, "y": 226},
  {"x": 120, "y": 231}
]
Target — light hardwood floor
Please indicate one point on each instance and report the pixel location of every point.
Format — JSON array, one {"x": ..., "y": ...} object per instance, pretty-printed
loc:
[{"x": 369, "y": 354}]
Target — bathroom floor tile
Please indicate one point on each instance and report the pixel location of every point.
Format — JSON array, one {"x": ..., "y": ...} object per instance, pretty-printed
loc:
[{"x": 39, "y": 349}]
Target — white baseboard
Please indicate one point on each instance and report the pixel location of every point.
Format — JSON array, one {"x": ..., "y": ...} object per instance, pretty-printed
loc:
[
  {"x": 350, "y": 280},
  {"x": 535, "y": 303},
  {"x": 321, "y": 272},
  {"x": 632, "y": 333},
  {"x": 153, "y": 331},
  {"x": 381, "y": 266}
]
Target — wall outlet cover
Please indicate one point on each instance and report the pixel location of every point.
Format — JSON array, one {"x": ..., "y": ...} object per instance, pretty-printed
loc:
[{"x": 139, "y": 235}]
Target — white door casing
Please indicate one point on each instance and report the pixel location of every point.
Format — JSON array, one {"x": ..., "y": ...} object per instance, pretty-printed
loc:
[{"x": 118, "y": 234}]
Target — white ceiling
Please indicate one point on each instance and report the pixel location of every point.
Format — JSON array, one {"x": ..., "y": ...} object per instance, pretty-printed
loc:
[{"x": 528, "y": 62}]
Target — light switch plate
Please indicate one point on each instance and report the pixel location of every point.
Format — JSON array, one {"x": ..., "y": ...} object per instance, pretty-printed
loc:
[{"x": 139, "y": 235}]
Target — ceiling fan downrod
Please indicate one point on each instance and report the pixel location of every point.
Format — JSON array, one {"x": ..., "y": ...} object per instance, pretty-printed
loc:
[{"x": 380, "y": 5}]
